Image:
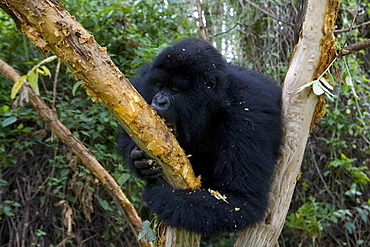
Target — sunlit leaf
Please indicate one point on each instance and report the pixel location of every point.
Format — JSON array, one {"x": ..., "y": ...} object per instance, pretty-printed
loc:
[
  {"x": 17, "y": 86},
  {"x": 43, "y": 70},
  {"x": 33, "y": 78},
  {"x": 349, "y": 81},
  {"x": 317, "y": 89},
  {"x": 326, "y": 83},
  {"x": 306, "y": 86}
]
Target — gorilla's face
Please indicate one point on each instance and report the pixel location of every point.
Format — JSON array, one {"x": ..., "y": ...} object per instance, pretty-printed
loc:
[
  {"x": 168, "y": 95},
  {"x": 186, "y": 101},
  {"x": 185, "y": 84}
]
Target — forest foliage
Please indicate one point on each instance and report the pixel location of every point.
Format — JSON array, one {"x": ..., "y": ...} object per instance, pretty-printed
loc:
[{"x": 44, "y": 186}]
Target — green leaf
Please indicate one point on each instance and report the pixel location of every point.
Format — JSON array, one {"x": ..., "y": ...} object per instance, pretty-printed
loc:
[
  {"x": 147, "y": 232},
  {"x": 27, "y": 130},
  {"x": 6, "y": 108},
  {"x": 104, "y": 204},
  {"x": 3, "y": 182},
  {"x": 123, "y": 179},
  {"x": 363, "y": 214},
  {"x": 75, "y": 86},
  {"x": 8, "y": 121},
  {"x": 331, "y": 78},
  {"x": 20, "y": 126},
  {"x": 33, "y": 78},
  {"x": 345, "y": 88},
  {"x": 350, "y": 226},
  {"x": 64, "y": 172},
  {"x": 17, "y": 86}
]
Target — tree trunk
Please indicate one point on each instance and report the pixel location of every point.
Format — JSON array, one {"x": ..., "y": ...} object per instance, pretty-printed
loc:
[
  {"x": 50, "y": 27},
  {"x": 312, "y": 55}
]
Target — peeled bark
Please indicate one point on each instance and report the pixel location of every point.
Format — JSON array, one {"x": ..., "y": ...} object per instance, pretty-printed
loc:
[
  {"x": 51, "y": 28},
  {"x": 312, "y": 55}
]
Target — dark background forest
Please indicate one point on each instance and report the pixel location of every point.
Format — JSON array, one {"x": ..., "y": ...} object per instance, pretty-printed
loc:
[{"x": 44, "y": 188}]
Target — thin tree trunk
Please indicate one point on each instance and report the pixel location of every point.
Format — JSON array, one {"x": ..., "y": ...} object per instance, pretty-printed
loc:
[{"x": 312, "y": 55}]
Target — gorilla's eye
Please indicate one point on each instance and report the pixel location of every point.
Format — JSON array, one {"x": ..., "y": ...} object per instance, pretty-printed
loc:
[
  {"x": 175, "y": 90},
  {"x": 157, "y": 84}
]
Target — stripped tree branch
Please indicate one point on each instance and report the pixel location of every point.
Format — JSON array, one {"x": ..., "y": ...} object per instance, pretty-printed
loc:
[{"x": 80, "y": 151}]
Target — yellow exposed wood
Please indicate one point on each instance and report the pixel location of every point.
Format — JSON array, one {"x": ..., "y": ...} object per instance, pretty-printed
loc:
[{"x": 51, "y": 28}]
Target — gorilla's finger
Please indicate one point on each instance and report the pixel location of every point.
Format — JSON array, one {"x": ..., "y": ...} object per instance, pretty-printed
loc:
[
  {"x": 137, "y": 153},
  {"x": 151, "y": 171},
  {"x": 144, "y": 164}
]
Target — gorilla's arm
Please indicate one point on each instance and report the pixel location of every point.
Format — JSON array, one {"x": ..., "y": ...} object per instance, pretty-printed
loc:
[{"x": 198, "y": 210}]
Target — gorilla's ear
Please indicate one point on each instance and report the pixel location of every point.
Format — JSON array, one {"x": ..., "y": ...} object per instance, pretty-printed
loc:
[
  {"x": 211, "y": 82},
  {"x": 217, "y": 79}
]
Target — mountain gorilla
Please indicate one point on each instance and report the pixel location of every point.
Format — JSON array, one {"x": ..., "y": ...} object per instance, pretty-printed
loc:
[{"x": 228, "y": 119}]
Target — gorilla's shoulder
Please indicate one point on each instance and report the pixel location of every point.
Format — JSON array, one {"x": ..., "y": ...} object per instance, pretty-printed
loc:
[{"x": 251, "y": 84}]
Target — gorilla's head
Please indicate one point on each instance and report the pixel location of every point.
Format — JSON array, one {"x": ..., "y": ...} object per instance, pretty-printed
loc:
[{"x": 185, "y": 85}]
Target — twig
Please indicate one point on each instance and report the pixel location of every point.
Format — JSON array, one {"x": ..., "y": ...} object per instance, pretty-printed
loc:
[
  {"x": 228, "y": 30},
  {"x": 267, "y": 13},
  {"x": 356, "y": 47},
  {"x": 55, "y": 86},
  {"x": 200, "y": 19},
  {"x": 350, "y": 28}
]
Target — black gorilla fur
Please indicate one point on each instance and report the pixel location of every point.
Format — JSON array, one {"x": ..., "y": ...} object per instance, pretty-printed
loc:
[{"x": 228, "y": 119}]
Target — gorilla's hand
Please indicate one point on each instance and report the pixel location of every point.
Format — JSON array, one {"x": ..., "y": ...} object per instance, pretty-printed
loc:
[{"x": 147, "y": 168}]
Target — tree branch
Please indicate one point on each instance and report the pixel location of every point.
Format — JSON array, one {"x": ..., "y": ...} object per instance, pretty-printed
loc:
[
  {"x": 356, "y": 47},
  {"x": 51, "y": 28},
  {"x": 351, "y": 28},
  {"x": 80, "y": 151}
]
